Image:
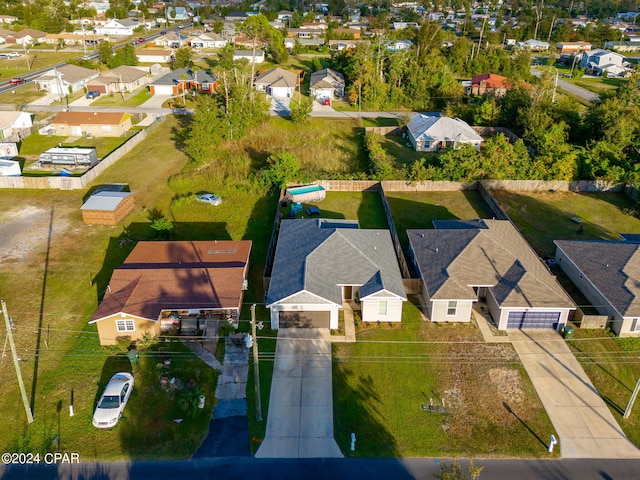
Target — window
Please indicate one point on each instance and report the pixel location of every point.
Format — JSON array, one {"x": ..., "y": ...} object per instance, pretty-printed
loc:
[
  {"x": 125, "y": 326},
  {"x": 452, "y": 306},
  {"x": 635, "y": 325},
  {"x": 205, "y": 87},
  {"x": 382, "y": 307}
]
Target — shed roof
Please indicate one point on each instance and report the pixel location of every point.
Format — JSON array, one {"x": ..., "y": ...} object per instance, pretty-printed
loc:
[{"x": 106, "y": 201}]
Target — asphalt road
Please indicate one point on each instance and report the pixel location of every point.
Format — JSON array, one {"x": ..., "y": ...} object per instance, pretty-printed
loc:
[
  {"x": 571, "y": 88},
  {"x": 320, "y": 469}
]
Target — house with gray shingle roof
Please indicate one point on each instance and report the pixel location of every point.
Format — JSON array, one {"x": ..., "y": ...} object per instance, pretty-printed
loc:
[
  {"x": 433, "y": 132},
  {"x": 462, "y": 263},
  {"x": 65, "y": 79},
  {"x": 327, "y": 83},
  {"x": 319, "y": 264},
  {"x": 120, "y": 79},
  {"x": 173, "y": 83},
  {"x": 276, "y": 82},
  {"x": 607, "y": 272}
]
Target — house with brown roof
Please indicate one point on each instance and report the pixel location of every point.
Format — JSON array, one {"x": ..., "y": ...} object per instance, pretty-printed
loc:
[
  {"x": 26, "y": 36},
  {"x": 97, "y": 124},
  {"x": 486, "y": 263},
  {"x": 276, "y": 82},
  {"x": 119, "y": 79},
  {"x": 64, "y": 80},
  {"x": 489, "y": 84},
  {"x": 179, "y": 287}
]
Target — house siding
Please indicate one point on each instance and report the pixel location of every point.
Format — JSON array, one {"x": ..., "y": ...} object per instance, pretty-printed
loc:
[
  {"x": 439, "y": 311},
  {"x": 95, "y": 130},
  {"x": 109, "y": 334},
  {"x": 370, "y": 310},
  {"x": 283, "y": 307}
]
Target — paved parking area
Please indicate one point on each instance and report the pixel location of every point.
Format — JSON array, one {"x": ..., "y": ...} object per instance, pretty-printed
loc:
[
  {"x": 586, "y": 427},
  {"x": 300, "y": 419}
]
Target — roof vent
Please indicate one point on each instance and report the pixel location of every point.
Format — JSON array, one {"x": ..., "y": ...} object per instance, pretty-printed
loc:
[{"x": 437, "y": 249}]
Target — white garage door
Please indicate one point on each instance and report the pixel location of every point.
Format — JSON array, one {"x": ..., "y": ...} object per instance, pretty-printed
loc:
[{"x": 533, "y": 320}]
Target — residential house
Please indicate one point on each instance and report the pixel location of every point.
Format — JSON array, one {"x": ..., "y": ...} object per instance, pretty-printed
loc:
[
  {"x": 285, "y": 15},
  {"x": 327, "y": 83},
  {"x": 603, "y": 62},
  {"x": 8, "y": 19},
  {"x": 63, "y": 80},
  {"x": 290, "y": 43},
  {"x": 71, "y": 39},
  {"x": 183, "y": 79},
  {"x": 276, "y": 82},
  {"x": 8, "y": 150},
  {"x": 96, "y": 124},
  {"x": 10, "y": 168},
  {"x": 397, "y": 45},
  {"x": 490, "y": 84},
  {"x": 172, "y": 285},
  {"x": 626, "y": 47},
  {"x": 534, "y": 45},
  {"x": 178, "y": 14},
  {"x": 154, "y": 55},
  {"x": 15, "y": 125},
  {"x": 236, "y": 17},
  {"x": 171, "y": 40},
  {"x": 4, "y": 33},
  {"x": 319, "y": 264},
  {"x": 486, "y": 262},
  {"x": 304, "y": 33},
  {"x": 607, "y": 272},
  {"x": 433, "y": 132},
  {"x": 403, "y": 25},
  {"x": 248, "y": 55},
  {"x": 339, "y": 45},
  {"x": 25, "y": 37},
  {"x": 120, "y": 79},
  {"x": 208, "y": 40},
  {"x": 573, "y": 47},
  {"x": 117, "y": 27}
]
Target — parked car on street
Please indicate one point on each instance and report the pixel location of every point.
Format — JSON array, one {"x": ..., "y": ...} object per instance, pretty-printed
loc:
[
  {"x": 92, "y": 94},
  {"x": 17, "y": 81},
  {"x": 209, "y": 198},
  {"x": 113, "y": 400}
]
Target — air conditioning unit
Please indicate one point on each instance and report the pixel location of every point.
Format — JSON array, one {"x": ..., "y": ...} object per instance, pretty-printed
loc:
[{"x": 245, "y": 284}]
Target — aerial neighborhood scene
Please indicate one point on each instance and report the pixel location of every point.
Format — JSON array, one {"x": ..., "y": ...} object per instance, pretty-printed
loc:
[{"x": 359, "y": 239}]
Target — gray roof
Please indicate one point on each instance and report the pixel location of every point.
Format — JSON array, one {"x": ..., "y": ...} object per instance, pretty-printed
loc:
[
  {"x": 104, "y": 200},
  {"x": 436, "y": 127},
  {"x": 327, "y": 78},
  {"x": 613, "y": 267},
  {"x": 315, "y": 258},
  {"x": 74, "y": 73},
  {"x": 126, "y": 73},
  {"x": 175, "y": 77},
  {"x": 277, "y": 77},
  {"x": 457, "y": 256}
]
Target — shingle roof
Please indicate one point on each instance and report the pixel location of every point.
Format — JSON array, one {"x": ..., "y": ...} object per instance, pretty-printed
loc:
[
  {"x": 318, "y": 257},
  {"x": 613, "y": 267},
  {"x": 186, "y": 75},
  {"x": 456, "y": 256},
  {"x": 90, "y": 118},
  {"x": 436, "y": 127},
  {"x": 327, "y": 78},
  {"x": 74, "y": 73},
  {"x": 277, "y": 77},
  {"x": 126, "y": 73},
  {"x": 159, "y": 276},
  {"x": 491, "y": 80}
]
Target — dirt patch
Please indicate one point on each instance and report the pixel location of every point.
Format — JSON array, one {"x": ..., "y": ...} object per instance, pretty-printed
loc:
[
  {"x": 26, "y": 230},
  {"x": 508, "y": 383}
]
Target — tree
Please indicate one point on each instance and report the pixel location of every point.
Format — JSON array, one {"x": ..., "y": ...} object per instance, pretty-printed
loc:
[
  {"x": 283, "y": 168},
  {"x": 105, "y": 52},
  {"x": 300, "y": 111},
  {"x": 454, "y": 472},
  {"x": 257, "y": 29},
  {"x": 205, "y": 130},
  {"x": 183, "y": 58},
  {"x": 163, "y": 227}
]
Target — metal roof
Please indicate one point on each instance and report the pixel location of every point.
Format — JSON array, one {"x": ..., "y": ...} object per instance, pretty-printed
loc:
[{"x": 106, "y": 201}]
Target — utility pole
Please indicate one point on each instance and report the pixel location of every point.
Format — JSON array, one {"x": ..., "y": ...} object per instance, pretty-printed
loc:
[
  {"x": 555, "y": 86},
  {"x": 632, "y": 400},
  {"x": 16, "y": 363},
  {"x": 256, "y": 369}
]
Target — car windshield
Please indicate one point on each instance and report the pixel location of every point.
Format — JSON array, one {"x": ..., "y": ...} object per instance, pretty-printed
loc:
[{"x": 109, "y": 401}]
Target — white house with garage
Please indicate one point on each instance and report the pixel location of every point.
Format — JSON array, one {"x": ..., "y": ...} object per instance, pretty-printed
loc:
[
  {"x": 434, "y": 133},
  {"x": 486, "y": 262},
  {"x": 607, "y": 272},
  {"x": 277, "y": 82},
  {"x": 320, "y": 264},
  {"x": 327, "y": 83},
  {"x": 117, "y": 27}
]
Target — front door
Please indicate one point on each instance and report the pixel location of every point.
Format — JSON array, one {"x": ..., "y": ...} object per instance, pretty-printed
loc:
[{"x": 347, "y": 292}]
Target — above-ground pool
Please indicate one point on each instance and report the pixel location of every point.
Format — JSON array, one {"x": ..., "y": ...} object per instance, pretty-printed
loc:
[{"x": 306, "y": 193}]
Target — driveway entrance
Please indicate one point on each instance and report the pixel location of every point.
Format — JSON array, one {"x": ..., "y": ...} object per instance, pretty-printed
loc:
[
  {"x": 300, "y": 419},
  {"x": 585, "y": 426}
]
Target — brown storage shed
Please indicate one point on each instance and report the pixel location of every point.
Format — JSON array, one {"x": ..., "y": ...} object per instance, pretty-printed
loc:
[{"x": 107, "y": 208}]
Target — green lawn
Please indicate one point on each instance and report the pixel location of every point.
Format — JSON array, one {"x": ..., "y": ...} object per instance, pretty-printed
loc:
[
  {"x": 24, "y": 94},
  {"x": 130, "y": 99},
  {"x": 36, "y": 144},
  {"x": 381, "y": 382},
  {"x": 17, "y": 66},
  {"x": 546, "y": 216}
]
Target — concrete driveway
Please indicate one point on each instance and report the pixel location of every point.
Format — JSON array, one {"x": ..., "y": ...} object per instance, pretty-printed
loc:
[
  {"x": 585, "y": 425},
  {"x": 280, "y": 106},
  {"x": 300, "y": 419},
  {"x": 156, "y": 101}
]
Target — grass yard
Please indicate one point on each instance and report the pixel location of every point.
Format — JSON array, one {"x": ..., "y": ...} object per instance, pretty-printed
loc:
[
  {"x": 23, "y": 94},
  {"x": 612, "y": 365},
  {"x": 366, "y": 207},
  {"x": 546, "y": 216},
  {"x": 598, "y": 85},
  {"x": 396, "y": 146},
  {"x": 381, "y": 382},
  {"x": 17, "y": 66},
  {"x": 35, "y": 144},
  {"x": 130, "y": 99}
]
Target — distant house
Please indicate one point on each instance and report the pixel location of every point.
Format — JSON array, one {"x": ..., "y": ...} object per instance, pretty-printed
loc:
[
  {"x": 9, "y": 168},
  {"x": 236, "y": 17},
  {"x": 248, "y": 55},
  {"x": 180, "y": 13},
  {"x": 276, "y": 82},
  {"x": 107, "y": 208},
  {"x": 14, "y": 123},
  {"x": 462, "y": 263},
  {"x": 327, "y": 83},
  {"x": 572, "y": 47},
  {"x": 69, "y": 157},
  {"x": 120, "y": 79},
  {"x": 26, "y": 37},
  {"x": 603, "y": 62},
  {"x": 432, "y": 133},
  {"x": 8, "y": 150},
  {"x": 117, "y": 27},
  {"x": 64, "y": 80},
  {"x": 171, "y": 40},
  {"x": 182, "y": 79},
  {"x": 97, "y": 124},
  {"x": 320, "y": 264},
  {"x": 154, "y": 55},
  {"x": 285, "y": 15},
  {"x": 339, "y": 45},
  {"x": 174, "y": 283},
  {"x": 72, "y": 39},
  {"x": 397, "y": 45},
  {"x": 626, "y": 47},
  {"x": 8, "y": 19},
  {"x": 208, "y": 40},
  {"x": 607, "y": 272},
  {"x": 488, "y": 83},
  {"x": 534, "y": 45}
]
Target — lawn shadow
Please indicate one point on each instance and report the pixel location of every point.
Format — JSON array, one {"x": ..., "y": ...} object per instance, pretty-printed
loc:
[
  {"x": 371, "y": 211},
  {"x": 180, "y": 133},
  {"x": 508, "y": 409},
  {"x": 112, "y": 365}
]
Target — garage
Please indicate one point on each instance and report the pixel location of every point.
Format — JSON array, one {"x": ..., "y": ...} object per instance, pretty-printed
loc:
[
  {"x": 533, "y": 320},
  {"x": 318, "y": 319}
]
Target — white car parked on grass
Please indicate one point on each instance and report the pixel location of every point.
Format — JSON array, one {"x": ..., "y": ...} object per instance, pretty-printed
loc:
[
  {"x": 209, "y": 198},
  {"x": 113, "y": 400}
]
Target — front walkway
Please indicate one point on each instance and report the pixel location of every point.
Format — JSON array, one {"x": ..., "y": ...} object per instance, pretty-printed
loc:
[
  {"x": 300, "y": 420},
  {"x": 586, "y": 427}
]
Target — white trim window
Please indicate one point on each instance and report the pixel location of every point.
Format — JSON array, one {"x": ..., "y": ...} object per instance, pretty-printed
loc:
[
  {"x": 452, "y": 307},
  {"x": 635, "y": 325},
  {"x": 382, "y": 307},
  {"x": 125, "y": 326}
]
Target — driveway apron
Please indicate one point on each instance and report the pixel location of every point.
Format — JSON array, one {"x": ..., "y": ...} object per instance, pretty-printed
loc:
[
  {"x": 300, "y": 418},
  {"x": 585, "y": 425}
]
